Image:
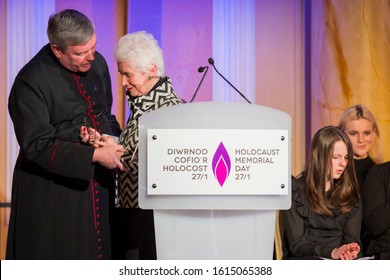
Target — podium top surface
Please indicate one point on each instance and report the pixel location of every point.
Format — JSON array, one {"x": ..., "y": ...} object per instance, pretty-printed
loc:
[{"x": 217, "y": 115}]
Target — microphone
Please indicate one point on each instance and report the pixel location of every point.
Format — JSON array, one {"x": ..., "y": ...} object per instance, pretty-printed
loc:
[
  {"x": 211, "y": 61},
  {"x": 200, "y": 70}
]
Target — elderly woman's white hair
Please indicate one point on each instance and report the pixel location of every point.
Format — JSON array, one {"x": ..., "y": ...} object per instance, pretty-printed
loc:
[{"x": 140, "y": 50}]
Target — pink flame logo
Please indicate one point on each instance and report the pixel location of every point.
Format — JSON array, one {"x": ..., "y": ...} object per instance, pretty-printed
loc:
[{"x": 221, "y": 164}]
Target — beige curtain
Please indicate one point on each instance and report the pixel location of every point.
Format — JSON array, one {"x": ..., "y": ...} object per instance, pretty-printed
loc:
[{"x": 350, "y": 60}]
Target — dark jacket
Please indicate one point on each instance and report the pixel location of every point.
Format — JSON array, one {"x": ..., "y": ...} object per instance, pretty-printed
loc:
[
  {"x": 59, "y": 207},
  {"x": 376, "y": 209}
]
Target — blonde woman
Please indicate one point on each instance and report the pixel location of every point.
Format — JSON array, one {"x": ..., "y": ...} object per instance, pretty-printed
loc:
[{"x": 359, "y": 123}]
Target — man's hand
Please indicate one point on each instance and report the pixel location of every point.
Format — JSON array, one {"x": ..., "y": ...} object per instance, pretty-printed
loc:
[{"x": 109, "y": 156}]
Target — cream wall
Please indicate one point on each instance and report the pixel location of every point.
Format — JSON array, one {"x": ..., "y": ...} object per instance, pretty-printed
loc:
[
  {"x": 186, "y": 40},
  {"x": 280, "y": 67}
]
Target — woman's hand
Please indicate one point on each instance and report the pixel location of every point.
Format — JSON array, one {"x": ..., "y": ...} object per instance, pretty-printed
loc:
[
  {"x": 109, "y": 156},
  {"x": 106, "y": 140},
  {"x": 346, "y": 252}
]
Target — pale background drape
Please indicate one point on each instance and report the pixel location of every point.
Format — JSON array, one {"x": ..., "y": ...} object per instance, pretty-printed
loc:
[
  {"x": 351, "y": 61},
  {"x": 311, "y": 59}
]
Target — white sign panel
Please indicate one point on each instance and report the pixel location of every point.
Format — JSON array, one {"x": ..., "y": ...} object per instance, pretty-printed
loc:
[{"x": 217, "y": 161}]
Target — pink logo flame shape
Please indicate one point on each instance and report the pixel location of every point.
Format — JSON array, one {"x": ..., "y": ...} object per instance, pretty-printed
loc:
[{"x": 221, "y": 164}]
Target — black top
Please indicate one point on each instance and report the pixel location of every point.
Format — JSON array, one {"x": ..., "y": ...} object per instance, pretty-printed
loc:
[
  {"x": 59, "y": 206},
  {"x": 376, "y": 199},
  {"x": 361, "y": 168},
  {"x": 309, "y": 234}
]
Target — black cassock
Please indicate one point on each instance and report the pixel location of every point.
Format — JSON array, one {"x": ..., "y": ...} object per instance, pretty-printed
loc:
[{"x": 60, "y": 199}]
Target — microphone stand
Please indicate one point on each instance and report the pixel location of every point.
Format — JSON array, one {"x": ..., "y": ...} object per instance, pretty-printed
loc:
[
  {"x": 200, "y": 70},
  {"x": 211, "y": 61}
]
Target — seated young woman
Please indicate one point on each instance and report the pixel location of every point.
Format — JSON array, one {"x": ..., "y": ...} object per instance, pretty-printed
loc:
[{"x": 325, "y": 216}]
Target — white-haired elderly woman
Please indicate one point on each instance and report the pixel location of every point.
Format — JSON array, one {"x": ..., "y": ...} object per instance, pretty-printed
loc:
[{"x": 141, "y": 64}]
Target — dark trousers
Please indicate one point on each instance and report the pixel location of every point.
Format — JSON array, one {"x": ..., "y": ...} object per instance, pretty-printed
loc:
[{"x": 132, "y": 234}]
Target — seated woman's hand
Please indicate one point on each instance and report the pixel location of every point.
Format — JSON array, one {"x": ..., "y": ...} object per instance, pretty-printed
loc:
[{"x": 346, "y": 252}]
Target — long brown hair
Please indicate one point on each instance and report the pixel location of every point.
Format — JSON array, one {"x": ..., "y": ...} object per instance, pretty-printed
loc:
[
  {"x": 358, "y": 112},
  {"x": 344, "y": 191}
]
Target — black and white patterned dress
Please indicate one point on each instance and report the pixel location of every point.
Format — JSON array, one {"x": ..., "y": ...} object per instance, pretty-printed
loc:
[{"x": 162, "y": 95}]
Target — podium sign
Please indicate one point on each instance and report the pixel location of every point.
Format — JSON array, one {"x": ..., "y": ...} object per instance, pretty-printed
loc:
[
  {"x": 214, "y": 174},
  {"x": 217, "y": 162}
]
